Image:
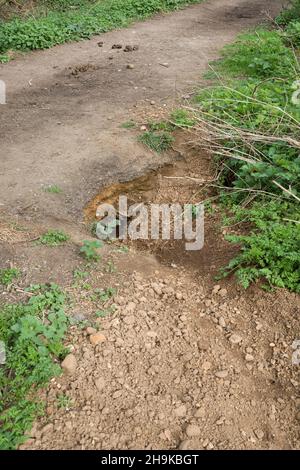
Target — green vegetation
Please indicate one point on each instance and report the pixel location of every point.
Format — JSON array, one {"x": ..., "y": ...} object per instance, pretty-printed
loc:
[
  {"x": 33, "y": 334},
  {"x": 80, "y": 275},
  {"x": 110, "y": 268},
  {"x": 289, "y": 14},
  {"x": 122, "y": 249},
  {"x": 259, "y": 54},
  {"x": 103, "y": 294},
  {"x": 54, "y": 189},
  {"x": 258, "y": 128},
  {"x": 105, "y": 312},
  {"x": 158, "y": 141},
  {"x": 71, "y": 20},
  {"x": 64, "y": 401},
  {"x": 89, "y": 249},
  {"x": 181, "y": 118},
  {"x": 8, "y": 275},
  {"x": 271, "y": 250},
  {"x": 53, "y": 238},
  {"x": 128, "y": 125}
]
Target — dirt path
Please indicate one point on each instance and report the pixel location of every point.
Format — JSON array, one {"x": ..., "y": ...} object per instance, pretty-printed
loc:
[
  {"x": 181, "y": 363},
  {"x": 61, "y": 124}
]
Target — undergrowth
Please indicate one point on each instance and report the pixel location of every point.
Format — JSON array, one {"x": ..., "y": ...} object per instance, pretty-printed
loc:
[
  {"x": 8, "y": 275},
  {"x": 47, "y": 27},
  {"x": 251, "y": 107},
  {"x": 158, "y": 141},
  {"x": 33, "y": 334},
  {"x": 53, "y": 238}
]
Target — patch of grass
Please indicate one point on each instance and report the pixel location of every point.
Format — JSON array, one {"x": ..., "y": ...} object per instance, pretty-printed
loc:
[
  {"x": 45, "y": 29},
  {"x": 154, "y": 126},
  {"x": 8, "y": 275},
  {"x": 54, "y": 189},
  {"x": 122, "y": 249},
  {"x": 110, "y": 267},
  {"x": 157, "y": 141},
  {"x": 33, "y": 334},
  {"x": 105, "y": 312},
  {"x": 182, "y": 118},
  {"x": 80, "y": 275},
  {"x": 290, "y": 13},
  {"x": 4, "y": 58},
  {"x": 53, "y": 238},
  {"x": 64, "y": 401},
  {"x": 260, "y": 54},
  {"x": 128, "y": 125},
  {"x": 89, "y": 249},
  {"x": 103, "y": 294}
]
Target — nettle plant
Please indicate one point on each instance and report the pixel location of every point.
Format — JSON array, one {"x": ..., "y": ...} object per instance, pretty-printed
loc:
[{"x": 33, "y": 334}]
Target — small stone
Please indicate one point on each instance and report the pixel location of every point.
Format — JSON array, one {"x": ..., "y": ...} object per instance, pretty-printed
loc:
[
  {"x": 117, "y": 394},
  {"x": 91, "y": 331},
  {"x": 129, "y": 320},
  {"x": 235, "y": 339},
  {"x": 128, "y": 48},
  {"x": 100, "y": 383},
  {"x": 130, "y": 66},
  {"x": 206, "y": 365},
  {"x": 100, "y": 44},
  {"x": 46, "y": 429},
  {"x": 97, "y": 338},
  {"x": 186, "y": 445},
  {"x": 216, "y": 289},
  {"x": 143, "y": 128},
  {"x": 222, "y": 322},
  {"x": 210, "y": 446},
  {"x": 221, "y": 374},
  {"x": 152, "y": 103},
  {"x": 77, "y": 317},
  {"x": 192, "y": 430},
  {"x": 220, "y": 421},
  {"x": 200, "y": 413},
  {"x": 249, "y": 358},
  {"x": 222, "y": 292},
  {"x": 180, "y": 412},
  {"x": 178, "y": 296},
  {"x": 69, "y": 364},
  {"x": 205, "y": 443},
  {"x": 130, "y": 307},
  {"x": 259, "y": 434}
]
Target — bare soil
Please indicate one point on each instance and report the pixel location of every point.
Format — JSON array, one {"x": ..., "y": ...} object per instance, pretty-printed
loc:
[{"x": 184, "y": 362}]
